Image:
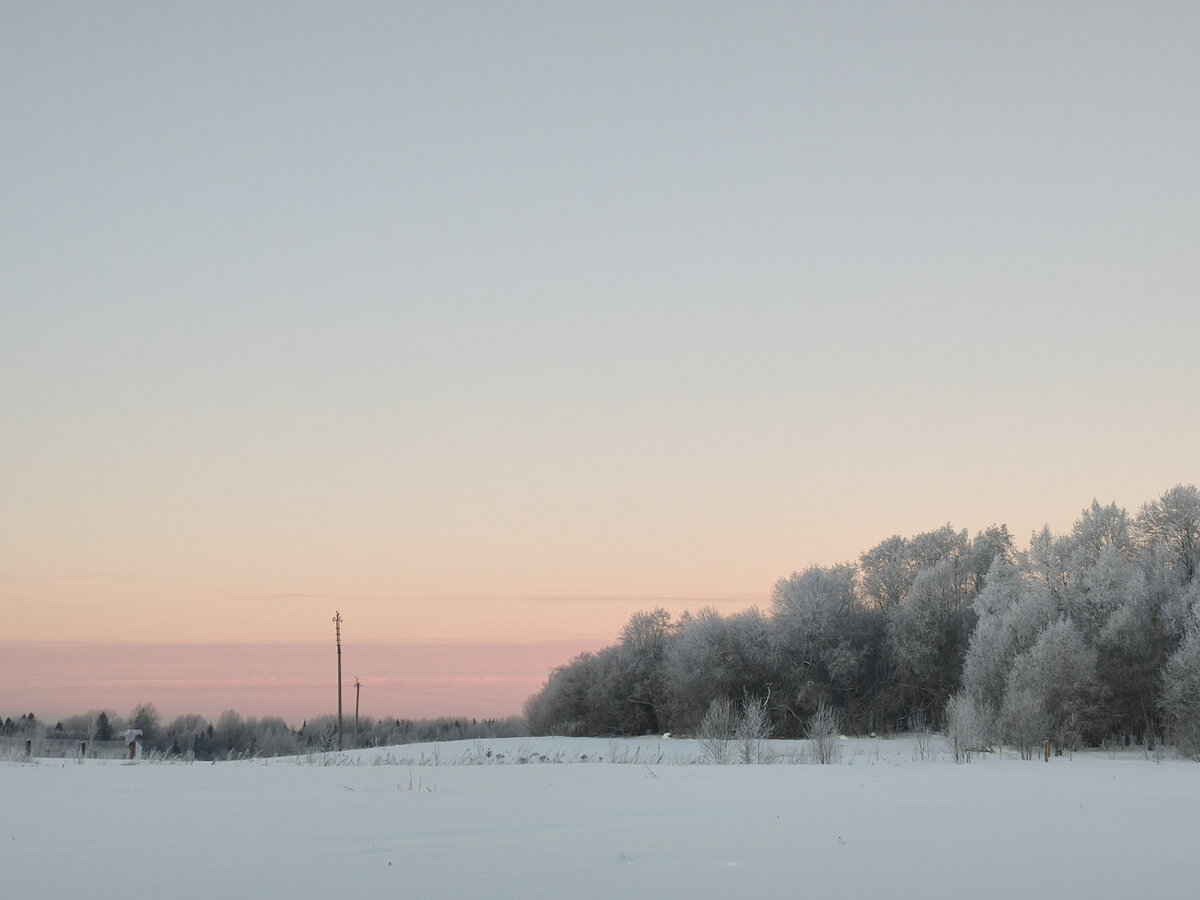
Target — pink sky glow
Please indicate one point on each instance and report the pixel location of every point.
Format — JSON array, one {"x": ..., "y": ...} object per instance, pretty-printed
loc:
[{"x": 296, "y": 681}]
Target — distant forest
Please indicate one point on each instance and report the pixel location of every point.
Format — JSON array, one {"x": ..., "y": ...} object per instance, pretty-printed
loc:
[
  {"x": 233, "y": 737},
  {"x": 1081, "y": 639}
]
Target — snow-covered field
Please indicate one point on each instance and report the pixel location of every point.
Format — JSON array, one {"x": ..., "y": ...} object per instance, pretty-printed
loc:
[{"x": 602, "y": 818}]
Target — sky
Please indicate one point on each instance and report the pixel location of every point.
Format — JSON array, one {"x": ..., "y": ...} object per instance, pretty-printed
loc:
[{"x": 488, "y": 324}]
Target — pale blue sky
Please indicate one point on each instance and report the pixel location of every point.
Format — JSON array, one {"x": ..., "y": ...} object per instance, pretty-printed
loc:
[{"x": 379, "y": 303}]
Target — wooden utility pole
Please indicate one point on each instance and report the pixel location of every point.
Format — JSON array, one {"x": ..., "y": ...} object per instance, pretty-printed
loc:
[
  {"x": 357, "y": 687},
  {"x": 337, "y": 625}
]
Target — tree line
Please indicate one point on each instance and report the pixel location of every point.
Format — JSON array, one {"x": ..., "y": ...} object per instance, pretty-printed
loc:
[
  {"x": 231, "y": 736},
  {"x": 1077, "y": 638}
]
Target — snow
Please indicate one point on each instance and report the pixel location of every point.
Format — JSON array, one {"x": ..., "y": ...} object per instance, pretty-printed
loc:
[{"x": 637, "y": 818}]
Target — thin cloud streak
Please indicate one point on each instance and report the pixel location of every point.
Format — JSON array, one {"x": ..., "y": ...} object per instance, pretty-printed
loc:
[
  {"x": 701, "y": 599},
  {"x": 518, "y": 598}
]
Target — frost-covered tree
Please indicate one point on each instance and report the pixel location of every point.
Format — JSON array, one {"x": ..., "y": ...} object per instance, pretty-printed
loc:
[
  {"x": 928, "y": 632},
  {"x": 78, "y": 727},
  {"x": 1106, "y": 586},
  {"x": 146, "y": 718},
  {"x": 927, "y": 636},
  {"x": 182, "y": 733},
  {"x": 889, "y": 568},
  {"x": 1097, "y": 529},
  {"x": 1173, "y": 520},
  {"x": 1123, "y": 620},
  {"x": 585, "y": 696},
  {"x": 813, "y": 605},
  {"x": 271, "y": 736},
  {"x": 642, "y": 679},
  {"x": 988, "y": 660},
  {"x": 1060, "y": 672},
  {"x": 561, "y": 707},
  {"x": 993, "y": 544},
  {"x": 230, "y": 733},
  {"x": 828, "y": 642},
  {"x": 1012, "y": 610},
  {"x": 714, "y": 656},
  {"x": 1180, "y": 697},
  {"x": 104, "y": 730},
  {"x": 887, "y": 571},
  {"x": 1047, "y": 560}
]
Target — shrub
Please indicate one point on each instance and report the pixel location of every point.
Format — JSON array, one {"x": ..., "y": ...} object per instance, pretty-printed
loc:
[
  {"x": 752, "y": 729},
  {"x": 717, "y": 730},
  {"x": 824, "y": 734}
]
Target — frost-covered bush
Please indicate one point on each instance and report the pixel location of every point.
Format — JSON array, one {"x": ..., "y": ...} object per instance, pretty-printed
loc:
[
  {"x": 824, "y": 735},
  {"x": 1023, "y": 721},
  {"x": 969, "y": 725},
  {"x": 726, "y": 732},
  {"x": 753, "y": 727},
  {"x": 717, "y": 730}
]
